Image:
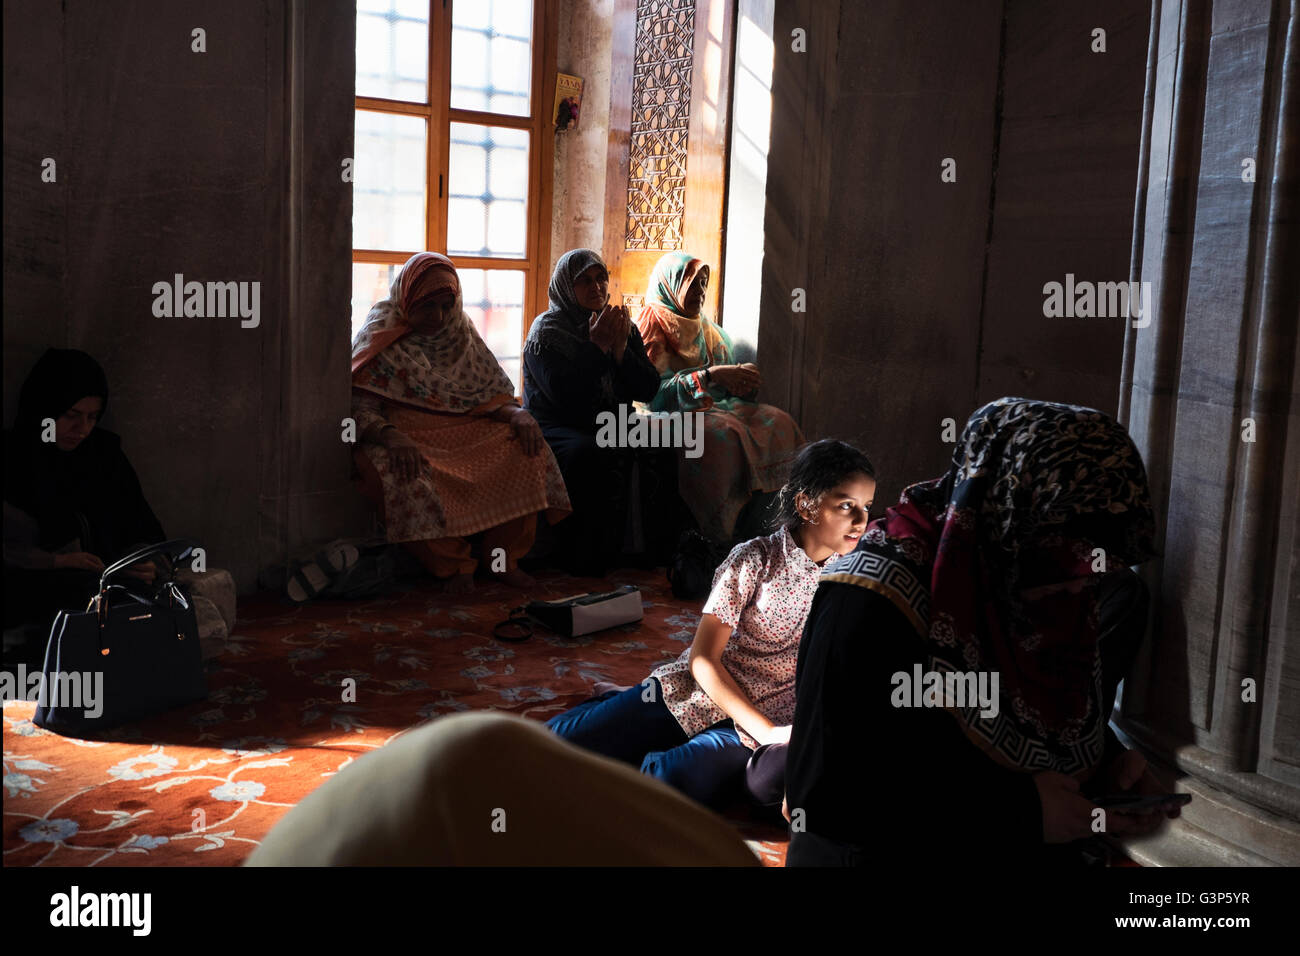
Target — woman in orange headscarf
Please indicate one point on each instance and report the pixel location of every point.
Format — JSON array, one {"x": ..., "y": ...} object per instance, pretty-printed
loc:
[{"x": 445, "y": 450}]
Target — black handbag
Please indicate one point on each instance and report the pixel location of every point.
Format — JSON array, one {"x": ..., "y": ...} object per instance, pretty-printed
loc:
[
  {"x": 695, "y": 561},
  {"x": 127, "y": 656}
]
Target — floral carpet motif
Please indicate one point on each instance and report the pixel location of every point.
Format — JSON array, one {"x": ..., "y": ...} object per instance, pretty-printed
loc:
[{"x": 203, "y": 784}]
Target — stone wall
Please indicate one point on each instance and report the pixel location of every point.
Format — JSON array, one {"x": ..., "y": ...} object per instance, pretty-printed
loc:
[
  {"x": 924, "y": 298},
  {"x": 222, "y": 165},
  {"x": 1210, "y": 398},
  {"x": 583, "y": 49}
]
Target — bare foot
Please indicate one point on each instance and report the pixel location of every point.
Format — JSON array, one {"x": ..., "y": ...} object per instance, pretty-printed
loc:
[
  {"x": 459, "y": 584},
  {"x": 518, "y": 579}
]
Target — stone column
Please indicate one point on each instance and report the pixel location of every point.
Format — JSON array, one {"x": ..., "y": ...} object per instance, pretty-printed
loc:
[{"x": 1209, "y": 394}]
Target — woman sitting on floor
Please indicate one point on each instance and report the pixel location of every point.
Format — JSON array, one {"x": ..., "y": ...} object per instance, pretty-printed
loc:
[
  {"x": 749, "y": 446},
  {"x": 73, "y": 503},
  {"x": 696, "y": 723},
  {"x": 1012, "y": 566},
  {"x": 584, "y": 361},
  {"x": 445, "y": 449}
]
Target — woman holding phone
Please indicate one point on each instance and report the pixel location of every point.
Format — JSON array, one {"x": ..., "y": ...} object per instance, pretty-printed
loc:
[
  {"x": 584, "y": 357},
  {"x": 1014, "y": 564}
]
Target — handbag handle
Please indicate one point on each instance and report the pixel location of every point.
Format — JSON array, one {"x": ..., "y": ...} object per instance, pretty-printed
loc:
[{"x": 175, "y": 550}]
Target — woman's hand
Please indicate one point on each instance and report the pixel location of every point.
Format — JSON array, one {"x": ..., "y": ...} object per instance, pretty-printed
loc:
[
  {"x": 767, "y": 733},
  {"x": 621, "y": 333},
  {"x": 1067, "y": 814},
  {"x": 1126, "y": 770},
  {"x": 527, "y": 431},
  {"x": 737, "y": 379},
  {"x": 79, "y": 560},
  {"x": 609, "y": 330},
  {"x": 1129, "y": 772},
  {"x": 143, "y": 570},
  {"x": 403, "y": 455},
  {"x": 774, "y": 735}
]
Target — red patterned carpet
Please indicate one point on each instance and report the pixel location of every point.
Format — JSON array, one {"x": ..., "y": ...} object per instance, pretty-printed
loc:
[{"x": 204, "y": 784}]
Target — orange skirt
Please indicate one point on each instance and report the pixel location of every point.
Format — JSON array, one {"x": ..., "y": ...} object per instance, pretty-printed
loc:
[{"x": 474, "y": 475}]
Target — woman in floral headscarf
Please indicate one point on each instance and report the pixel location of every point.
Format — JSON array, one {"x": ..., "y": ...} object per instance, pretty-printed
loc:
[
  {"x": 748, "y": 446},
  {"x": 1014, "y": 564},
  {"x": 445, "y": 450}
]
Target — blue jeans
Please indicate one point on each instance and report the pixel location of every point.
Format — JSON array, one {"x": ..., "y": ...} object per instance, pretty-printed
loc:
[{"x": 708, "y": 767}]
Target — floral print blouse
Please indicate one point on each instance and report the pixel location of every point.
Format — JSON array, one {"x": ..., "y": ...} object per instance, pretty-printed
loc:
[{"x": 763, "y": 592}]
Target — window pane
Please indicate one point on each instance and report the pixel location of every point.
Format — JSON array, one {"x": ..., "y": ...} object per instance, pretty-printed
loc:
[
  {"x": 388, "y": 188},
  {"x": 491, "y": 55},
  {"x": 494, "y": 301},
  {"x": 488, "y": 194},
  {"x": 393, "y": 49},
  {"x": 370, "y": 284}
]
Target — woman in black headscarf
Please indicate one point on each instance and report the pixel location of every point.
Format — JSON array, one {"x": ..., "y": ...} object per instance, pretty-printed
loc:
[
  {"x": 72, "y": 501},
  {"x": 1014, "y": 565},
  {"x": 584, "y": 357}
]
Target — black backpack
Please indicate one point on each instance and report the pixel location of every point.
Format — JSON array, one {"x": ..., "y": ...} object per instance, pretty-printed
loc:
[{"x": 696, "y": 558}]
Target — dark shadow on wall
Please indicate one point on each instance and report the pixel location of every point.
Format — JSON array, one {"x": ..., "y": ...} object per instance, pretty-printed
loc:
[{"x": 217, "y": 166}]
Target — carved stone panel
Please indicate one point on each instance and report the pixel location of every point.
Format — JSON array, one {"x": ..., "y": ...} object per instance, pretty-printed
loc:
[{"x": 661, "y": 102}]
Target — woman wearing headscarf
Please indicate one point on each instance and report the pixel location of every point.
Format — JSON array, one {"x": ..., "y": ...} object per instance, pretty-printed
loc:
[
  {"x": 73, "y": 503},
  {"x": 584, "y": 358},
  {"x": 1014, "y": 564},
  {"x": 749, "y": 445},
  {"x": 446, "y": 451}
]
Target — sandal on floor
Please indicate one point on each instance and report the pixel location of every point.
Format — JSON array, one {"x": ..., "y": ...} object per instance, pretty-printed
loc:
[{"x": 312, "y": 578}]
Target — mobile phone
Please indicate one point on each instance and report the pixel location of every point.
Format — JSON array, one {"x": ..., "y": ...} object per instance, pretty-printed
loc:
[{"x": 1142, "y": 803}]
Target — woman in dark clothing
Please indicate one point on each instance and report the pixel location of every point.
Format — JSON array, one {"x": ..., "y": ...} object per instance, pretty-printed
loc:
[
  {"x": 584, "y": 358},
  {"x": 72, "y": 502},
  {"x": 1014, "y": 564}
]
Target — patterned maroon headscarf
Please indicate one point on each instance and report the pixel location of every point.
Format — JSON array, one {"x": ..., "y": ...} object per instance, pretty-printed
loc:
[{"x": 1034, "y": 489}]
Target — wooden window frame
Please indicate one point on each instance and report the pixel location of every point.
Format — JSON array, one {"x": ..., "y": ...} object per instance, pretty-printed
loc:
[{"x": 439, "y": 115}]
